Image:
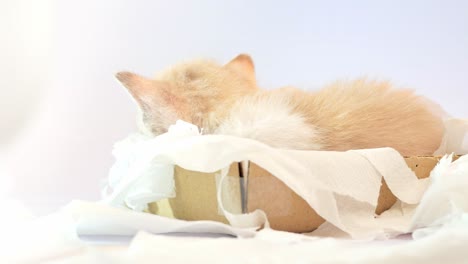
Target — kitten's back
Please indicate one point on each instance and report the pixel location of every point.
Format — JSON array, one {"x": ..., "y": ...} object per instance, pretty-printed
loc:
[
  {"x": 345, "y": 115},
  {"x": 370, "y": 114}
]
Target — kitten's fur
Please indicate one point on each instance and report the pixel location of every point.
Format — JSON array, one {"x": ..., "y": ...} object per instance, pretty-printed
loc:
[{"x": 342, "y": 116}]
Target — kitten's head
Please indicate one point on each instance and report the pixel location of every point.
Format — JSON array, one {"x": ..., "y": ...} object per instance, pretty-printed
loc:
[{"x": 200, "y": 92}]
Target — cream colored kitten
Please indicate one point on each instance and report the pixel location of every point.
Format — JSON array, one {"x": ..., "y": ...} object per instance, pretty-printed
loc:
[{"x": 224, "y": 99}]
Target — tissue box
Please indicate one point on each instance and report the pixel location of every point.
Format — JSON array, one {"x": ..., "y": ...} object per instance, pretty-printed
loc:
[{"x": 196, "y": 196}]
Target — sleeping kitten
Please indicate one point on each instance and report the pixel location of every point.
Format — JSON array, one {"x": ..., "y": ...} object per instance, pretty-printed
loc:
[{"x": 224, "y": 99}]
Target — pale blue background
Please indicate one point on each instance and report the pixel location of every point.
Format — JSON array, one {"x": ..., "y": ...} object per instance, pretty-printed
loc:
[{"x": 75, "y": 109}]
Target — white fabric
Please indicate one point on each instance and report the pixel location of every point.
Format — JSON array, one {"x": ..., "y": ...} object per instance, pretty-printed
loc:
[
  {"x": 101, "y": 219},
  {"x": 52, "y": 239},
  {"x": 446, "y": 246}
]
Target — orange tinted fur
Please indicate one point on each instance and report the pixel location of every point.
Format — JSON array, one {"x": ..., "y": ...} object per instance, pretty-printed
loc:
[
  {"x": 370, "y": 114},
  {"x": 344, "y": 115}
]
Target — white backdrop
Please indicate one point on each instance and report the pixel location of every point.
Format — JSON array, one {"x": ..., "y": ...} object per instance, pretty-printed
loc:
[{"x": 61, "y": 109}]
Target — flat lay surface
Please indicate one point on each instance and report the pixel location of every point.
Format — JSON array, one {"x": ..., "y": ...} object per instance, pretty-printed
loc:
[{"x": 62, "y": 246}]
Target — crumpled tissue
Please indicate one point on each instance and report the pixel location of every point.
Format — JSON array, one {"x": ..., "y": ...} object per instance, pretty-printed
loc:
[{"x": 346, "y": 197}]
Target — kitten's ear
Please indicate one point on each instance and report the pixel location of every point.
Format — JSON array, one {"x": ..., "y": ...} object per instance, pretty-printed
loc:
[
  {"x": 243, "y": 64},
  {"x": 160, "y": 107},
  {"x": 146, "y": 92}
]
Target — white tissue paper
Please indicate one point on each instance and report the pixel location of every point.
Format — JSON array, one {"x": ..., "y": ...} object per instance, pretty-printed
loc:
[
  {"x": 346, "y": 198},
  {"x": 446, "y": 200},
  {"x": 134, "y": 179},
  {"x": 456, "y": 137}
]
